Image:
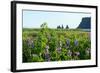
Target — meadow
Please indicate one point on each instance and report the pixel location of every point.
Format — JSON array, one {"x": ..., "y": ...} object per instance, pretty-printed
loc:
[{"x": 46, "y": 44}]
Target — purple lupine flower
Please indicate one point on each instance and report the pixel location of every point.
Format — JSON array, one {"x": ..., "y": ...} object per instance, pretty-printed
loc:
[
  {"x": 67, "y": 42},
  {"x": 59, "y": 50},
  {"x": 77, "y": 53},
  {"x": 47, "y": 56},
  {"x": 69, "y": 53},
  {"x": 30, "y": 43},
  {"x": 46, "y": 51},
  {"x": 76, "y": 42},
  {"x": 33, "y": 45}
]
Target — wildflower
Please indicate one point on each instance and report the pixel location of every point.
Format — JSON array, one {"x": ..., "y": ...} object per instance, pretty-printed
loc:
[
  {"x": 59, "y": 50},
  {"x": 67, "y": 42},
  {"x": 47, "y": 56},
  {"x": 76, "y": 42},
  {"x": 69, "y": 53},
  {"x": 46, "y": 51},
  {"x": 77, "y": 53},
  {"x": 30, "y": 43}
]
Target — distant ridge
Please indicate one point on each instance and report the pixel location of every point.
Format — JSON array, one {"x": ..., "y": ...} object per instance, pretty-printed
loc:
[{"x": 85, "y": 23}]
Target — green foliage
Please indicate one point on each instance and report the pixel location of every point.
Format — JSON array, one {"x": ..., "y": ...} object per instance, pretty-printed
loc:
[
  {"x": 37, "y": 59},
  {"x": 26, "y": 53},
  {"x": 55, "y": 39}
]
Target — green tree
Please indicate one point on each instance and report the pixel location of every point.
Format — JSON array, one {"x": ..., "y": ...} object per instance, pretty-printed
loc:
[
  {"x": 67, "y": 27},
  {"x": 62, "y": 26}
]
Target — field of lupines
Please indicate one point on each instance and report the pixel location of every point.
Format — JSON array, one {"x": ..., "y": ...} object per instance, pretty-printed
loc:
[{"x": 45, "y": 44}]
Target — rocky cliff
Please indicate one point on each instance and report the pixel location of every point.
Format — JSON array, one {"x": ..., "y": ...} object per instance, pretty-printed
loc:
[{"x": 85, "y": 23}]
